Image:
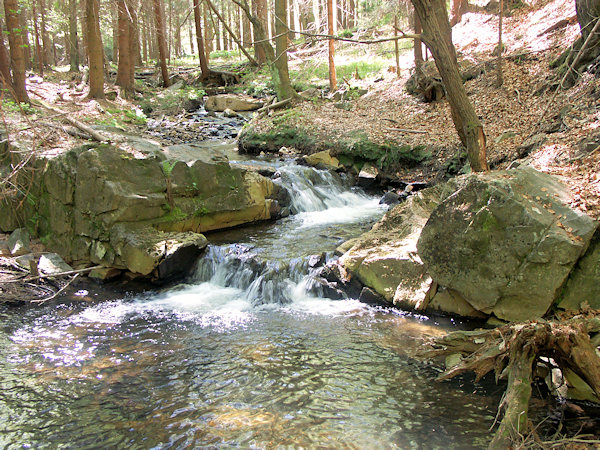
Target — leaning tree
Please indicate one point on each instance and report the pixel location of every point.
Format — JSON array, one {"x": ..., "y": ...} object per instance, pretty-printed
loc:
[{"x": 437, "y": 36}]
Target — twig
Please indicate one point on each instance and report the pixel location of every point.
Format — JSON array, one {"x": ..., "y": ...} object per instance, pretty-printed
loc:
[
  {"x": 57, "y": 293},
  {"x": 51, "y": 275},
  {"x": 403, "y": 130}
]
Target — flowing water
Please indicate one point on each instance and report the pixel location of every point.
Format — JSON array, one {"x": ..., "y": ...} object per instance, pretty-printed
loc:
[{"x": 248, "y": 353}]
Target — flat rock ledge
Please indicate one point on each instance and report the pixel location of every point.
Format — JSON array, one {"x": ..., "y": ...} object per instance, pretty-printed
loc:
[{"x": 129, "y": 207}]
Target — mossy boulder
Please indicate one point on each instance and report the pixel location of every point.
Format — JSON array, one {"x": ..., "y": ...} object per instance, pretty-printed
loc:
[
  {"x": 84, "y": 199},
  {"x": 506, "y": 242}
]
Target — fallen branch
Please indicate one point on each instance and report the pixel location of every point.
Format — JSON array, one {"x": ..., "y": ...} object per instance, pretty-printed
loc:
[
  {"x": 53, "y": 275},
  {"x": 560, "y": 24},
  {"x": 274, "y": 105},
  {"x": 94, "y": 134},
  {"x": 403, "y": 130},
  {"x": 57, "y": 293}
]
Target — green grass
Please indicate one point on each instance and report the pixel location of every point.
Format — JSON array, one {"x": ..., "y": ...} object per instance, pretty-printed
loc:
[{"x": 308, "y": 74}]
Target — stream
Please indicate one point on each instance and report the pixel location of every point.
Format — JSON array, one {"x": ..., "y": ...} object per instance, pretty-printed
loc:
[{"x": 249, "y": 352}]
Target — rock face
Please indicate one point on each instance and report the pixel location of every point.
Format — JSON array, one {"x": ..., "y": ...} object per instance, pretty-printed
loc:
[
  {"x": 385, "y": 258},
  {"x": 584, "y": 283},
  {"x": 506, "y": 242},
  {"x": 232, "y": 102},
  {"x": 137, "y": 210}
]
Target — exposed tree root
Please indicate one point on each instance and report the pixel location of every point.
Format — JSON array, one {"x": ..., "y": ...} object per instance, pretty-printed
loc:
[{"x": 512, "y": 352}]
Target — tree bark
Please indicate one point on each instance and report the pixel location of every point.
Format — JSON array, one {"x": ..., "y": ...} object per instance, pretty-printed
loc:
[
  {"x": 17, "y": 55},
  {"x": 38, "y": 46},
  {"x": 73, "y": 39},
  {"x": 4, "y": 60},
  {"x": 95, "y": 49},
  {"x": 46, "y": 43},
  {"x": 125, "y": 69},
  {"x": 331, "y": 31},
  {"x": 437, "y": 35},
  {"x": 162, "y": 47},
  {"x": 283, "y": 86},
  {"x": 459, "y": 7},
  {"x": 200, "y": 40},
  {"x": 260, "y": 11}
]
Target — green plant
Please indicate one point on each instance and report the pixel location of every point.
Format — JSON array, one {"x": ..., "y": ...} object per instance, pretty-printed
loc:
[
  {"x": 167, "y": 167},
  {"x": 13, "y": 107}
]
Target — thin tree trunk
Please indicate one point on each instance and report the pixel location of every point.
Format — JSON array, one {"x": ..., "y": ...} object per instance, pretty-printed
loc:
[
  {"x": 160, "y": 35},
  {"x": 25, "y": 34},
  {"x": 95, "y": 49},
  {"x": 38, "y": 46},
  {"x": 73, "y": 40},
  {"x": 259, "y": 8},
  {"x": 330, "y": 25},
  {"x": 200, "y": 40},
  {"x": 17, "y": 55},
  {"x": 499, "y": 75},
  {"x": 417, "y": 44},
  {"x": 283, "y": 86},
  {"x": 209, "y": 32},
  {"x": 396, "y": 49},
  {"x": 4, "y": 60},
  {"x": 191, "y": 36},
  {"x": 232, "y": 34},
  {"x": 45, "y": 36},
  {"x": 437, "y": 35}
]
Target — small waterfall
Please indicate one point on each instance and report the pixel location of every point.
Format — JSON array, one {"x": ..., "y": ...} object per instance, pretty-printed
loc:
[
  {"x": 319, "y": 199},
  {"x": 317, "y": 190}
]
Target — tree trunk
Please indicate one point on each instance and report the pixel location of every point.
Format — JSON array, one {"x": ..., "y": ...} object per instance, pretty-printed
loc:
[
  {"x": 160, "y": 35},
  {"x": 259, "y": 8},
  {"x": 283, "y": 86},
  {"x": 418, "y": 47},
  {"x": 499, "y": 74},
  {"x": 115, "y": 31},
  {"x": 4, "y": 60},
  {"x": 125, "y": 66},
  {"x": 73, "y": 39},
  {"x": 200, "y": 40},
  {"x": 588, "y": 11},
  {"x": 46, "y": 42},
  {"x": 38, "y": 46},
  {"x": 437, "y": 35},
  {"x": 209, "y": 32},
  {"x": 459, "y": 7},
  {"x": 330, "y": 25},
  {"x": 95, "y": 49},
  {"x": 351, "y": 14},
  {"x": 25, "y": 37},
  {"x": 17, "y": 55}
]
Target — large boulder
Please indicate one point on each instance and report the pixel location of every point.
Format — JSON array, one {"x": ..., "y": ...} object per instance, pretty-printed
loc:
[
  {"x": 322, "y": 159},
  {"x": 129, "y": 207},
  {"x": 233, "y": 102},
  {"x": 506, "y": 242},
  {"x": 385, "y": 258}
]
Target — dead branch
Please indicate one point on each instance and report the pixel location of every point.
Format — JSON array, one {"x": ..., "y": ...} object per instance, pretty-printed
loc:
[
  {"x": 57, "y": 293},
  {"x": 275, "y": 105},
  {"x": 53, "y": 275},
  {"x": 403, "y": 130},
  {"x": 93, "y": 133},
  {"x": 511, "y": 351}
]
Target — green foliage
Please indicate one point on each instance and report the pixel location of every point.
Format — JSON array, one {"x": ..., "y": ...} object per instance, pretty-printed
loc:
[
  {"x": 203, "y": 211},
  {"x": 170, "y": 101},
  {"x": 347, "y": 33},
  {"x": 168, "y": 166},
  {"x": 285, "y": 117},
  {"x": 174, "y": 215},
  {"x": 13, "y": 107},
  {"x": 281, "y": 137},
  {"x": 309, "y": 74}
]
